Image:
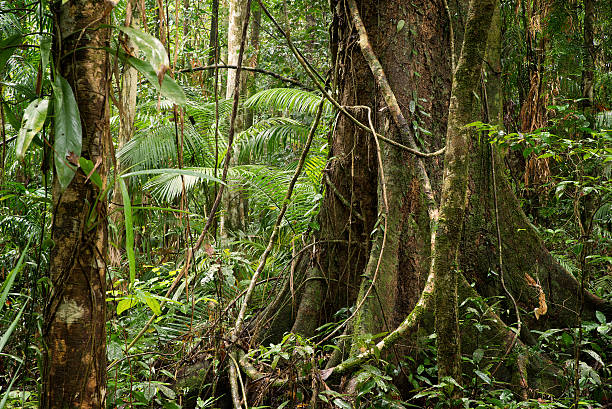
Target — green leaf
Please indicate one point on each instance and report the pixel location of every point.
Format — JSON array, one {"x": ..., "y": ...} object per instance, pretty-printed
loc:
[
  {"x": 483, "y": 376},
  {"x": 169, "y": 88},
  {"x": 10, "y": 279},
  {"x": 148, "y": 299},
  {"x": 342, "y": 404},
  {"x": 68, "y": 132},
  {"x": 478, "y": 355},
  {"x": 185, "y": 172},
  {"x": 125, "y": 304},
  {"x": 45, "y": 51},
  {"x": 33, "y": 120},
  {"x": 12, "y": 119},
  {"x": 88, "y": 168},
  {"x": 600, "y": 317},
  {"x": 7, "y": 48},
  {"x": 595, "y": 356},
  {"x": 129, "y": 230},
  {"x": 152, "y": 48},
  {"x": 400, "y": 25}
]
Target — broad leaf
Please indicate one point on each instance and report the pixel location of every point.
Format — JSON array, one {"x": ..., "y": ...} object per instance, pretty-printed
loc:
[
  {"x": 169, "y": 88},
  {"x": 68, "y": 132},
  {"x": 126, "y": 304},
  {"x": 90, "y": 170},
  {"x": 152, "y": 48},
  {"x": 148, "y": 299},
  {"x": 45, "y": 51},
  {"x": 33, "y": 120}
]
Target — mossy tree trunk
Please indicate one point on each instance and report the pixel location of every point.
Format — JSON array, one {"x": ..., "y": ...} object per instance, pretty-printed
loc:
[
  {"x": 74, "y": 331},
  {"x": 444, "y": 266},
  {"x": 417, "y": 63}
]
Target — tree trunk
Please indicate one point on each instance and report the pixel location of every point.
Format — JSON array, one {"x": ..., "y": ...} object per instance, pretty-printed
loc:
[
  {"x": 237, "y": 12},
  {"x": 127, "y": 115},
  {"x": 417, "y": 63},
  {"x": 588, "y": 61},
  {"x": 74, "y": 332},
  {"x": 234, "y": 215},
  {"x": 213, "y": 43},
  {"x": 447, "y": 236}
]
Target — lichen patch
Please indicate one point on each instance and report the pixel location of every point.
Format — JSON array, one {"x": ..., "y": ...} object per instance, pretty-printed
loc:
[{"x": 70, "y": 312}]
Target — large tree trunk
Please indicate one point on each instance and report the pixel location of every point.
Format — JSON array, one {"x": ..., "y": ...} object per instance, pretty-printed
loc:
[
  {"x": 417, "y": 62},
  {"x": 74, "y": 331},
  {"x": 459, "y": 142}
]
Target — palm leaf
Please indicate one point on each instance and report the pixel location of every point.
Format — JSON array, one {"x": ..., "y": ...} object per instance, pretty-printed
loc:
[{"x": 288, "y": 100}]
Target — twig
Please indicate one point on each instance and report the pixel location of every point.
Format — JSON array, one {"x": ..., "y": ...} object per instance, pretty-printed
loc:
[{"x": 253, "y": 69}]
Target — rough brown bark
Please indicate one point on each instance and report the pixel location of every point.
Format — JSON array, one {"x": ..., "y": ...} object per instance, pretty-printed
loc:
[
  {"x": 74, "y": 331},
  {"x": 418, "y": 66}
]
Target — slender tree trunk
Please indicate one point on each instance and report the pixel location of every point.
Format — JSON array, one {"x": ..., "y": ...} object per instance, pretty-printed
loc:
[
  {"x": 127, "y": 114},
  {"x": 234, "y": 215},
  {"x": 253, "y": 59},
  {"x": 588, "y": 64},
  {"x": 213, "y": 43},
  {"x": 74, "y": 332},
  {"x": 237, "y": 12}
]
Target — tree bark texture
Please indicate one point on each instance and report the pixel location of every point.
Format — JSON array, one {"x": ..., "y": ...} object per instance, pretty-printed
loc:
[
  {"x": 234, "y": 204},
  {"x": 444, "y": 264},
  {"x": 74, "y": 331},
  {"x": 237, "y": 13}
]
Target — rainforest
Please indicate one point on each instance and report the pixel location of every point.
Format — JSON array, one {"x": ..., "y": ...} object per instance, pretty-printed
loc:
[{"x": 345, "y": 204}]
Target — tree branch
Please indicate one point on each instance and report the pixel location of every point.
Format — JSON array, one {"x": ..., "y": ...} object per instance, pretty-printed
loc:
[{"x": 252, "y": 69}]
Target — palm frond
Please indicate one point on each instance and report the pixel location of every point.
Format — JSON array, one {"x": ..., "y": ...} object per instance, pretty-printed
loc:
[
  {"x": 288, "y": 100},
  {"x": 155, "y": 146},
  {"x": 268, "y": 136},
  {"x": 168, "y": 186}
]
